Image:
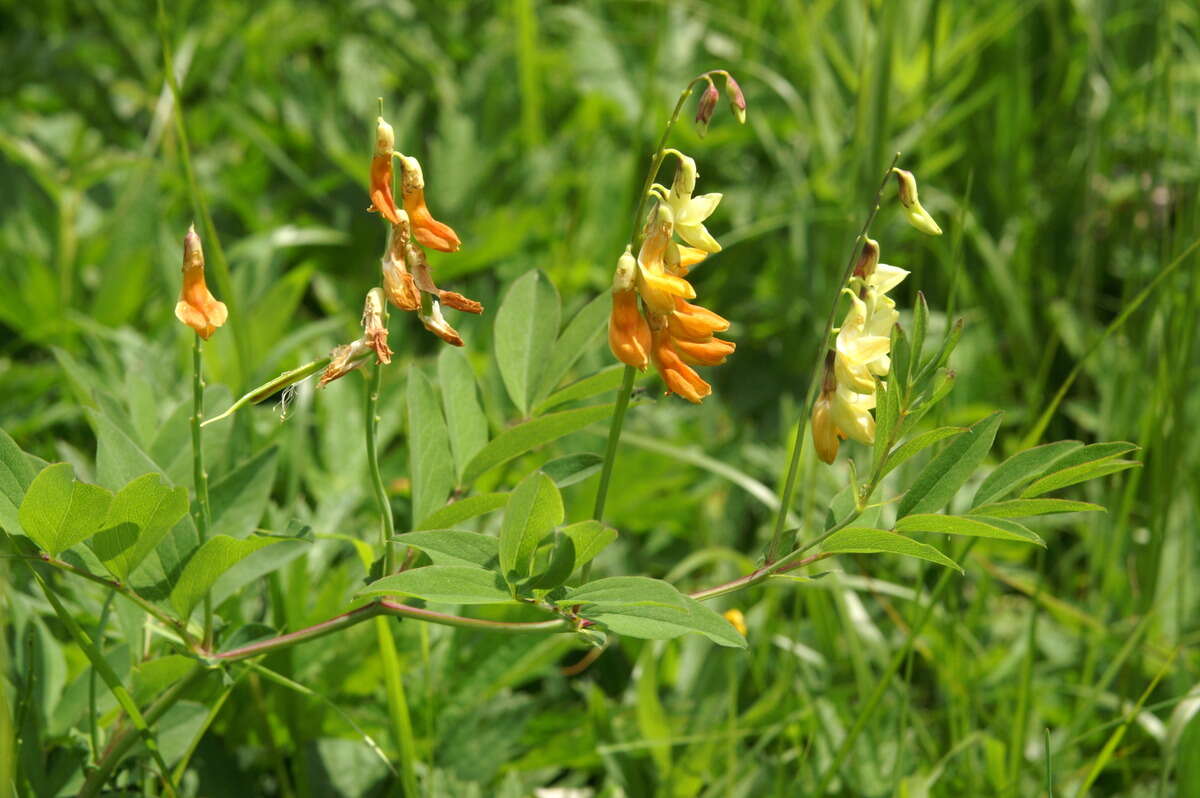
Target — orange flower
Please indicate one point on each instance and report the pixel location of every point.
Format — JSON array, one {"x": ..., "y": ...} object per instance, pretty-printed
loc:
[
  {"x": 397, "y": 281},
  {"x": 628, "y": 331},
  {"x": 694, "y": 322},
  {"x": 427, "y": 230},
  {"x": 679, "y": 377},
  {"x": 197, "y": 308},
  {"x": 381, "y": 173}
]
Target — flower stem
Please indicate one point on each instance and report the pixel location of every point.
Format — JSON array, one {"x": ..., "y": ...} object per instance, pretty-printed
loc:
[
  {"x": 387, "y": 525},
  {"x": 204, "y": 517},
  {"x": 789, "y": 484},
  {"x": 635, "y": 240}
]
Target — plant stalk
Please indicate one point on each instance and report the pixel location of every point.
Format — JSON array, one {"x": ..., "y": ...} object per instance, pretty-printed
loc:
[
  {"x": 789, "y": 484},
  {"x": 204, "y": 517},
  {"x": 387, "y": 524}
]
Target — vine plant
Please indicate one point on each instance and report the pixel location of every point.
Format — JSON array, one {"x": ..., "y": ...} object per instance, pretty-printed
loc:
[{"x": 150, "y": 543}]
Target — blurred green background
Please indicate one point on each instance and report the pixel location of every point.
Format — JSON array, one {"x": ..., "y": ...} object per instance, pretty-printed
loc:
[{"x": 1057, "y": 142}]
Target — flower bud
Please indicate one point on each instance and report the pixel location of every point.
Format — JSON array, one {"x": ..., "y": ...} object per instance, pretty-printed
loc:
[
  {"x": 737, "y": 100},
  {"x": 917, "y": 216},
  {"x": 625, "y": 277},
  {"x": 868, "y": 259},
  {"x": 685, "y": 178},
  {"x": 706, "y": 107},
  {"x": 385, "y": 138},
  {"x": 824, "y": 434}
]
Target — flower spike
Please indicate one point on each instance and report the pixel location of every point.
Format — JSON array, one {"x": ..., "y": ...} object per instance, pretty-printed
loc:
[{"x": 197, "y": 308}]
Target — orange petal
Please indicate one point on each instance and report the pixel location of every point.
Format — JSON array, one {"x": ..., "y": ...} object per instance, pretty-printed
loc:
[
  {"x": 427, "y": 230},
  {"x": 660, "y": 290},
  {"x": 678, "y": 376},
  {"x": 704, "y": 353},
  {"x": 689, "y": 257},
  {"x": 459, "y": 302},
  {"x": 694, "y": 322},
  {"x": 381, "y": 188},
  {"x": 628, "y": 331}
]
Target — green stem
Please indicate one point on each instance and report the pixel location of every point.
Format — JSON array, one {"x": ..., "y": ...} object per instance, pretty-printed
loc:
[
  {"x": 789, "y": 484},
  {"x": 204, "y": 517},
  {"x": 124, "y": 739},
  {"x": 635, "y": 240},
  {"x": 100, "y": 664},
  {"x": 387, "y": 525},
  {"x": 398, "y": 707},
  {"x": 885, "y": 678}
]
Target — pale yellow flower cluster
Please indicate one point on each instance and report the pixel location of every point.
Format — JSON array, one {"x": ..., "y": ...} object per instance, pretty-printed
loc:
[{"x": 859, "y": 358}]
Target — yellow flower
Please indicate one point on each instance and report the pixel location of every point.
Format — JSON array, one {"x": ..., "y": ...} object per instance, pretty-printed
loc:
[
  {"x": 851, "y": 415},
  {"x": 197, "y": 308},
  {"x": 736, "y": 620},
  {"x": 657, "y": 287},
  {"x": 690, "y": 212}
]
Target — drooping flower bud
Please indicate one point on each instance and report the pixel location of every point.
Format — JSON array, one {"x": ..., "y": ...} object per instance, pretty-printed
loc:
[
  {"x": 706, "y": 107},
  {"x": 737, "y": 100},
  {"x": 868, "y": 259},
  {"x": 917, "y": 216},
  {"x": 197, "y": 308}
]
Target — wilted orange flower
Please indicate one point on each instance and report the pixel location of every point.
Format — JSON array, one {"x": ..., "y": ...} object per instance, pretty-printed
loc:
[
  {"x": 197, "y": 308},
  {"x": 427, "y": 230},
  {"x": 381, "y": 172},
  {"x": 348, "y": 357},
  {"x": 398, "y": 282}
]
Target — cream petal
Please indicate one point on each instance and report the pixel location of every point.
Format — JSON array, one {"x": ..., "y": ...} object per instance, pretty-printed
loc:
[
  {"x": 887, "y": 277},
  {"x": 693, "y": 210},
  {"x": 697, "y": 235}
]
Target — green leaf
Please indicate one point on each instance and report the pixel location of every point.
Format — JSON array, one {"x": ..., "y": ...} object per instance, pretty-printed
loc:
[
  {"x": 560, "y": 563},
  {"x": 861, "y": 540},
  {"x": 1101, "y": 467},
  {"x": 625, "y": 591},
  {"x": 664, "y": 623},
  {"x": 607, "y": 379},
  {"x": 920, "y": 325},
  {"x": 572, "y": 468},
  {"x": 465, "y": 421},
  {"x": 914, "y": 446},
  {"x": 445, "y": 584},
  {"x": 454, "y": 546},
  {"x": 239, "y": 500},
  {"x": 463, "y": 509},
  {"x": 1020, "y": 508},
  {"x": 1021, "y": 469},
  {"x": 887, "y": 413},
  {"x": 429, "y": 448},
  {"x": 16, "y": 474},
  {"x": 139, "y": 516},
  {"x": 590, "y": 538},
  {"x": 522, "y": 438},
  {"x": 59, "y": 511},
  {"x": 579, "y": 334},
  {"x": 216, "y": 556},
  {"x": 534, "y": 508},
  {"x": 292, "y": 544},
  {"x": 901, "y": 359},
  {"x": 945, "y": 474},
  {"x": 525, "y": 330},
  {"x": 971, "y": 526}
]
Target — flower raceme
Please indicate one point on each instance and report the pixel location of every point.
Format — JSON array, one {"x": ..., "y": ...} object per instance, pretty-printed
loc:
[
  {"x": 407, "y": 279},
  {"x": 860, "y": 356},
  {"x": 668, "y": 330},
  {"x": 197, "y": 308}
]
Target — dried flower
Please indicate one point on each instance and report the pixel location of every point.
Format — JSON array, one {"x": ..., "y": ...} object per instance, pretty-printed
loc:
[
  {"x": 437, "y": 324},
  {"x": 374, "y": 324},
  {"x": 917, "y": 216},
  {"x": 343, "y": 360},
  {"x": 197, "y": 308}
]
